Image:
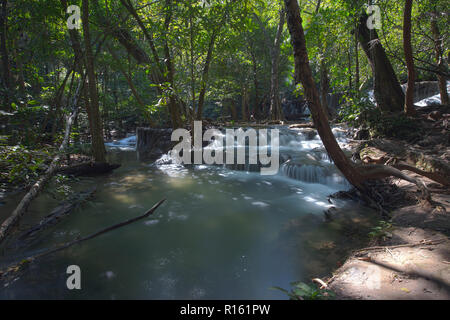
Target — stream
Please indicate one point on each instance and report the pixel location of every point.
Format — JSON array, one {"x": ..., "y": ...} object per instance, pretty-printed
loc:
[{"x": 223, "y": 233}]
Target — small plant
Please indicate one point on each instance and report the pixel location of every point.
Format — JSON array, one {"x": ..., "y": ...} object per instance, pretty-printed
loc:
[
  {"x": 303, "y": 291},
  {"x": 381, "y": 231}
]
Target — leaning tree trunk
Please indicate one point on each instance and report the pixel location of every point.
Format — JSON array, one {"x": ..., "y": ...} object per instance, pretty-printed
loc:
[
  {"x": 13, "y": 219},
  {"x": 98, "y": 145},
  {"x": 387, "y": 90},
  {"x": 409, "y": 97},
  {"x": 440, "y": 60},
  {"x": 355, "y": 174},
  {"x": 303, "y": 74}
]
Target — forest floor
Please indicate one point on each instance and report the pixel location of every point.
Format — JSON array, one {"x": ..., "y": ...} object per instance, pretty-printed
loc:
[{"x": 411, "y": 258}]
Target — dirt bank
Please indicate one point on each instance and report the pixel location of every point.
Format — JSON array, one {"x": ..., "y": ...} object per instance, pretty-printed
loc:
[{"x": 411, "y": 257}]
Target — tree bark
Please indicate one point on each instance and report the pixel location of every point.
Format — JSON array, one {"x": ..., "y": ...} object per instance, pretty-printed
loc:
[
  {"x": 440, "y": 60},
  {"x": 204, "y": 81},
  {"x": 387, "y": 90},
  {"x": 4, "y": 52},
  {"x": 244, "y": 102},
  {"x": 356, "y": 62},
  {"x": 409, "y": 97},
  {"x": 98, "y": 145},
  {"x": 303, "y": 75},
  {"x": 276, "y": 113}
]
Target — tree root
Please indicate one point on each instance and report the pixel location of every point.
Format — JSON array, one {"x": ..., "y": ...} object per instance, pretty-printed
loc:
[
  {"x": 407, "y": 245},
  {"x": 379, "y": 171}
]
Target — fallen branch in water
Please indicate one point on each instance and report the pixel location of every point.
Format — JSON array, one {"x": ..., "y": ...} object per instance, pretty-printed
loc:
[
  {"x": 66, "y": 245},
  {"x": 20, "y": 210},
  {"x": 59, "y": 212}
]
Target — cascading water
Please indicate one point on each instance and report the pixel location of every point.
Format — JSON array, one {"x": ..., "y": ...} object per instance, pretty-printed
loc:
[{"x": 302, "y": 156}]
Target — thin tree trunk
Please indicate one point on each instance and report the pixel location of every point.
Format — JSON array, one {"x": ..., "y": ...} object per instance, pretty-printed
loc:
[
  {"x": 191, "y": 48},
  {"x": 387, "y": 90},
  {"x": 256, "y": 108},
  {"x": 205, "y": 74},
  {"x": 356, "y": 61},
  {"x": 244, "y": 102},
  {"x": 4, "y": 52},
  {"x": 22, "y": 207},
  {"x": 409, "y": 97},
  {"x": 276, "y": 113},
  {"x": 98, "y": 145},
  {"x": 440, "y": 60}
]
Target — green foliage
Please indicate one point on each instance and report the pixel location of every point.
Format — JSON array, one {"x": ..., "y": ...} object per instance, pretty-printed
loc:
[
  {"x": 359, "y": 111},
  {"x": 59, "y": 188},
  {"x": 382, "y": 230},
  {"x": 20, "y": 165},
  {"x": 356, "y": 110},
  {"x": 397, "y": 126},
  {"x": 303, "y": 291}
]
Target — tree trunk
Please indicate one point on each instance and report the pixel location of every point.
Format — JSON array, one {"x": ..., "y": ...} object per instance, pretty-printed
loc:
[
  {"x": 440, "y": 60},
  {"x": 324, "y": 85},
  {"x": 98, "y": 145},
  {"x": 4, "y": 52},
  {"x": 387, "y": 90},
  {"x": 409, "y": 97},
  {"x": 356, "y": 175},
  {"x": 303, "y": 74},
  {"x": 356, "y": 61},
  {"x": 204, "y": 81},
  {"x": 276, "y": 113},
  {"x": 244, "y": 102},
  {"x": 233, "y": 111}
]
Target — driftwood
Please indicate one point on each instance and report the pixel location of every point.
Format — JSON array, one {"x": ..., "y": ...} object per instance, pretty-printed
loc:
[
  {"x": 16, "y": 266},
  {"x": 88, "y": 169},
  {"x": 302, "y": 125},
  {"x": 62, "y": 210},
  {"x": 20, "y": 210}
]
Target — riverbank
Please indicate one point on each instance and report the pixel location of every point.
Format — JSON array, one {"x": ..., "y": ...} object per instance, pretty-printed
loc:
[{"x": 410, "y": 258}]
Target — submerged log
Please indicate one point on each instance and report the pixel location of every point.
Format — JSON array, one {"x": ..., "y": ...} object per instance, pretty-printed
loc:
[
  {"x": 62, "y": 210},
  {"x": 89, "y": 169}
]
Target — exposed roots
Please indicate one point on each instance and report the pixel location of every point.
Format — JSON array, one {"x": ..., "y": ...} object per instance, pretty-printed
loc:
[{"x": 378, "y": 171}]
